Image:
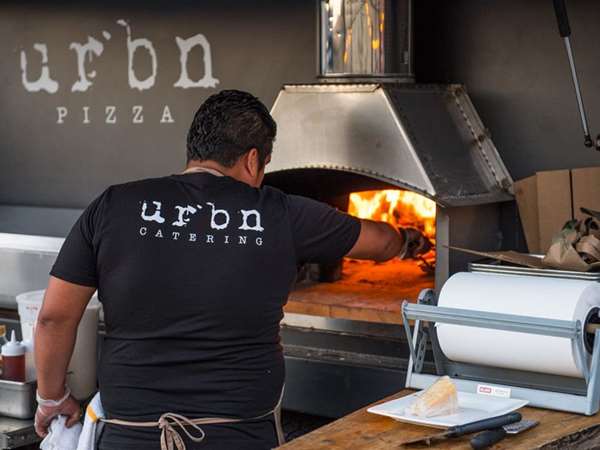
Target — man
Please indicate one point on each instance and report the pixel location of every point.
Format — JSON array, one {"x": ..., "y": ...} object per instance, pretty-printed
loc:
[{"x": 193, "y": 271}]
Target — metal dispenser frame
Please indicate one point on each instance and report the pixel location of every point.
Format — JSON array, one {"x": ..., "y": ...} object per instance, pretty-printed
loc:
[{"x": 541, "y": 390}]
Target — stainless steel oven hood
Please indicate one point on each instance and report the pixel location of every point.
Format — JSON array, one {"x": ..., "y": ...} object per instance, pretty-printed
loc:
[{"x": 426, "y": 138}]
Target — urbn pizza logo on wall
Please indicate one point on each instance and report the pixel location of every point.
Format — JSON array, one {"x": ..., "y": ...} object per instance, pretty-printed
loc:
[{"x": 84, "y": 54}]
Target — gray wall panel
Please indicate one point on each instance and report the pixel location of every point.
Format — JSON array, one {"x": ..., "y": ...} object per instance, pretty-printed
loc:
[
  {"x": 507, "y": 52},
  {"x": 55, "y": 222}
]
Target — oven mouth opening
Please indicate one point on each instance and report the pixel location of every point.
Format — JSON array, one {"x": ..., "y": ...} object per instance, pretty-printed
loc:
[{"x": 366, "y": 290}]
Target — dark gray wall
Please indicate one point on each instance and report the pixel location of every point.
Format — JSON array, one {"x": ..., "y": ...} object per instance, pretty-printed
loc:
[
  {"x": 508, "y": 53},
  {"x": 255, "y": 46},
  {"x": 510, "y": 56}
]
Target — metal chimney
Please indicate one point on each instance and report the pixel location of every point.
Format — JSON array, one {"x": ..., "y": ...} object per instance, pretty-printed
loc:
[
  {"x": 365, "y": 40},
  {"x": 367, "y": 118}
]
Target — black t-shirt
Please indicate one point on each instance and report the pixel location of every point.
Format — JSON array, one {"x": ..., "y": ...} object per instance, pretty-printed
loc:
[{"x": 193, "y": 272}]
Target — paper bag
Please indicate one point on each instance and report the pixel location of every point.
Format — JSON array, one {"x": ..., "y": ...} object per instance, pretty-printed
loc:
[{"x": 576, "y": 248}]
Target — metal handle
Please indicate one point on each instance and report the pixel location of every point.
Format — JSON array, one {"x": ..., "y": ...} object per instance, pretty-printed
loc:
[
  {"x": 485, "y": 424},
  {"x": 562, "y": 18},
  {"x": 560, "y": 8},
  {"x": 492, "y": 320},
  {"x": 487, "y": 438}
]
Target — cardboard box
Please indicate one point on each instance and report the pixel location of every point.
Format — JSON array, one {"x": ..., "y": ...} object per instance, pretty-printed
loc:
[{"x": 547, "y": 200}]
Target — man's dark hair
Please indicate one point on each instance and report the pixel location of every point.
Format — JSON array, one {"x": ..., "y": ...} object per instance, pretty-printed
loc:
[{"x": 229, "y": 124}]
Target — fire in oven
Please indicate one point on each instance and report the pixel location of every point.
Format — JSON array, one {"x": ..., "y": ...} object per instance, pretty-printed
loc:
[
  {"x": 402, "y": 209},
  {"x": 368, "y": 290}
]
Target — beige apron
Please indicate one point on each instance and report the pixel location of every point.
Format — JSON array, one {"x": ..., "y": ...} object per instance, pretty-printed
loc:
[{"x": 171, "y": 424}]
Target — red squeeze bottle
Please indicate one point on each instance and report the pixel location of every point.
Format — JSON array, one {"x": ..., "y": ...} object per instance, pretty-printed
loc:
[{"x": 13, "y": 360}]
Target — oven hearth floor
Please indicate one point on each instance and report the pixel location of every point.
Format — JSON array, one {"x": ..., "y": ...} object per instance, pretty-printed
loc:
[{"x": 368, "y": 292}]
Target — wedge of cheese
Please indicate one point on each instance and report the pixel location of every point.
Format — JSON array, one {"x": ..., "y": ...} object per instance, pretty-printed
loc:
[{"x": 439, "y": 399}]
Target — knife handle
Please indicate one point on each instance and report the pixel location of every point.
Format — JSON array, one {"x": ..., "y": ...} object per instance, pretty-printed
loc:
[
  {"x": 485, "y": 424},
  {"x": 487, "y": 438}
]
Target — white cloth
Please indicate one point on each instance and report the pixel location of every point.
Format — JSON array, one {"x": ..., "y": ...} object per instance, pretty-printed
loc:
[
  {"x": 92, "y": 424},
  {"x": 60, "y": 437}
]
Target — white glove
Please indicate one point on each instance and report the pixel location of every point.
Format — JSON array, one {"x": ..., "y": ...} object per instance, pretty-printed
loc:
[{"x": 49, "y": 409}]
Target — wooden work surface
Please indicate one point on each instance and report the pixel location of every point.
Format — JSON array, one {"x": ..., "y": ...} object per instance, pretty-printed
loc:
[
  {"x": 364, "y": 431},
  {"x": 368, "y": 291}
]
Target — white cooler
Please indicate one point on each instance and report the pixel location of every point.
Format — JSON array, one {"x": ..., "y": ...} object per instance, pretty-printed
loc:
[{"x": 81, "y": 374}]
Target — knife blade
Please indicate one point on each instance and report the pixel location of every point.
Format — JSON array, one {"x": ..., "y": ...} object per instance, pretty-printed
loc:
[
  {"x": 473, "y": 427},
  {"x": 490, "y": 437}
]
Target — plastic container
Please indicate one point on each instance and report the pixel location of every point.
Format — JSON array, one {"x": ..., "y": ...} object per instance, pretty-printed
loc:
[
  {"x": 81, "y": 374},
  {"x": 30, "y": 374},
  {"x": 13, "y": 360}
]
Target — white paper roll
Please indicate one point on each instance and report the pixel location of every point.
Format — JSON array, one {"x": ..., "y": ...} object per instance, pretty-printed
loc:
[{"x": 520, "y": 295}]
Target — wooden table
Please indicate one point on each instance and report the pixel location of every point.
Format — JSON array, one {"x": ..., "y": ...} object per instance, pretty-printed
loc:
[{"x": 361, "y": 431}]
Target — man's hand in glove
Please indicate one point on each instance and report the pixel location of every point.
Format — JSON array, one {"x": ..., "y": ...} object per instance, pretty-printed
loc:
[
  {"x": 415, "y": 243},
  {"x": 49, "y": 409},
  {"x": 381, "y": 241}
]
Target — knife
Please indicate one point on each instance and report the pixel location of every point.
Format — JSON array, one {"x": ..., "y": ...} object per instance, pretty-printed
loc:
[
  {"x": 490, "y": 437},
  {"x": 473, "y": 427}
]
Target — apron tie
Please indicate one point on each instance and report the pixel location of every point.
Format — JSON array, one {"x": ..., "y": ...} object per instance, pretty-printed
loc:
[
  {"x": 170, "y": 424},
  {"x": 170, "y": 439}
]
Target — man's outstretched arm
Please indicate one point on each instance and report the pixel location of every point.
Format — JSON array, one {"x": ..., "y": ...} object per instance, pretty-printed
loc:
[{"x": 381, "y": 241}]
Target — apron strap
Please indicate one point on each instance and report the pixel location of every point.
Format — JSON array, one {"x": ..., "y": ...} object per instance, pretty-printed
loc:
[
  {"x": 171, "y": 424},
  {"x": 277, "y": 419}
]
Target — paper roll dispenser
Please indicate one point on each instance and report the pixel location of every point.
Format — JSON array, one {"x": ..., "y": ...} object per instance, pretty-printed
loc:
[{"x": 523, "y": 326}]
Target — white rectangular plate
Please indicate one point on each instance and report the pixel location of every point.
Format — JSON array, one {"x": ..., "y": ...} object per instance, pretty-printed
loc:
[{"x": 471, "y": 407}]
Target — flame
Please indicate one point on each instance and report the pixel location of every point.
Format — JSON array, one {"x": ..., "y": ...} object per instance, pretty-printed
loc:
[{"x": 397, "y": 207}]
